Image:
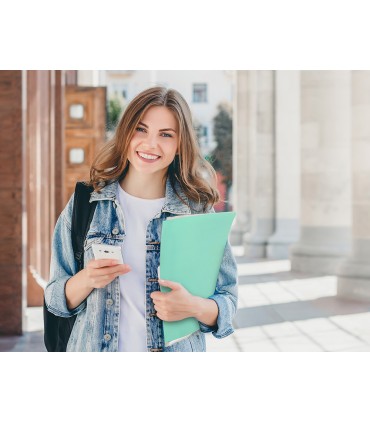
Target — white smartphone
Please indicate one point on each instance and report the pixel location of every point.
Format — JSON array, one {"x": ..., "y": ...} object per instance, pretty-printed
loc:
[{"x": 104, "y": 251}]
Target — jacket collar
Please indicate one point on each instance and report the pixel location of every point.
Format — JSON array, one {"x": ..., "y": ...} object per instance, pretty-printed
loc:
[{"x": 171, "y": 205}]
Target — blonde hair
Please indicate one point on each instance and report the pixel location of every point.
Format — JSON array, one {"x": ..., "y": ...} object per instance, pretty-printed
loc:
[{"x": 196, "y": 176}]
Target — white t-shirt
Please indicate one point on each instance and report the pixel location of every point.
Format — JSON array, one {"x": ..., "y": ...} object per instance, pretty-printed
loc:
[{"x": 132, "y": 327}]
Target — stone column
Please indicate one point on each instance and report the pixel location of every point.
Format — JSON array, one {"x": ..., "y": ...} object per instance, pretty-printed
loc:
[
  {"x": 241, "y": 129},
  {"x": 287, "y": 160},
  {"x": 262, "y": 167},
  {"x": 13, "y": 253},
  {"x": 326, "y": 175},
  {"x": 354, "y": 273}
]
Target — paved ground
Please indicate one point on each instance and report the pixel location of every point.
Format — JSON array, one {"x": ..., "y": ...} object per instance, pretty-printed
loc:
[{"x": 279, "y": 310}]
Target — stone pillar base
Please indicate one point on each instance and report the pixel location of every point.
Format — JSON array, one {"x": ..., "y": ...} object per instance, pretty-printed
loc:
[
  {"x": 316, "y": 260},
  {"x": 286, "y": 234},
  {"x": 254, "y": 247},
  {"x": 321, "y": 250},
  {"x": 278, "y": 250},
  {"x": 354, "y": 280},
  {"x": 240, "y": 228},
  {"x": 354, "y": 288},
  {"x": 255, "y": 243},
  {"x": 315, "y": 265},
  {"x": 236, "y": 236},
  {"x": 255, "y": 250}
]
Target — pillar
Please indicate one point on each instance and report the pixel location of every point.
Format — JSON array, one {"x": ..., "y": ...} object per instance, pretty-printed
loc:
[
  {"x": 287, "y": 162},
  {"x": 354, "y": 272},
  {"x": 262, "y": 166},
  {"x": 241, "y": 128},
  {"x": 325, "y": 172}
]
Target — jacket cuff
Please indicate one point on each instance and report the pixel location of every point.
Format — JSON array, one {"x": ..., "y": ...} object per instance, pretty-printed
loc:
[
  {"x": 58, "y": 303},
  {"x": 223, "y": 326}
]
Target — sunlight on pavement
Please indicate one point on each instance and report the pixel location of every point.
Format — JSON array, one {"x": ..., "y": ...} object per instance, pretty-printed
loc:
[
  {"x": 264, "y": 267},
  {"x": 286, "y": 291},
  {"x": 280, "y": 310}
]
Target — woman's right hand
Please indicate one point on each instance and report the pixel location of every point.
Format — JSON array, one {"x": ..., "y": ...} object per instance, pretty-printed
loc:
[{"x": 99, "y": 273}]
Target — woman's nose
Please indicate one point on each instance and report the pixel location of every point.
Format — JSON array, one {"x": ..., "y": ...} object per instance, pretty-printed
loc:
[{"x": 151, "y": 141}]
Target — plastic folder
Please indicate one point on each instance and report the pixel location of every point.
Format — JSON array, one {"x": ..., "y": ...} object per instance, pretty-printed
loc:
[{"x": 191, "y": 252}]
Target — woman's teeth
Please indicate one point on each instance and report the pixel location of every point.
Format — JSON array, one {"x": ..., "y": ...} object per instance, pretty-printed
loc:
[{"x": 147, "y": 156}]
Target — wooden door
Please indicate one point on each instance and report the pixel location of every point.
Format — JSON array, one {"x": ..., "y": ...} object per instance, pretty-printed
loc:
[{"x": 84, "y": 132}]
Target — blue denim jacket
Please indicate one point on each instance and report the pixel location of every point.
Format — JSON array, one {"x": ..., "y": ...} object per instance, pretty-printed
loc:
[{"x": 97, "y": 323}]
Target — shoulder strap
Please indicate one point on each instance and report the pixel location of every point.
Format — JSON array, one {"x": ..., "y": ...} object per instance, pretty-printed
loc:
[{"x": 82, "y": 214}]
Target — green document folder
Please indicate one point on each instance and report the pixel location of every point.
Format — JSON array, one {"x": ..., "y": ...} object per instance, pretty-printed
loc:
[{"x": 191, "y": 252}]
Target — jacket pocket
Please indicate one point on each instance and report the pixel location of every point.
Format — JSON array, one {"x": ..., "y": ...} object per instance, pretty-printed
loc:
[{"x": 93, "y": 239}]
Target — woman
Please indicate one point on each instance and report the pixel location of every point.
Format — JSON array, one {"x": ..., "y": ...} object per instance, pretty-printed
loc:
[{"x": 151, "y": 169}]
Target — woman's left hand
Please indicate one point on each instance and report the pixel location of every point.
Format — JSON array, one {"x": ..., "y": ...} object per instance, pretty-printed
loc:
[{"x": 174, "y": 305}]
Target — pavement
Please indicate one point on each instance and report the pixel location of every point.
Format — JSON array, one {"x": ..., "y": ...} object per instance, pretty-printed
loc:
[{"x": 278, "y": 310}]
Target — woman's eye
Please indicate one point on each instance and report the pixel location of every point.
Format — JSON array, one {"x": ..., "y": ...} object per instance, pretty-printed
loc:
[{"x": 164, "y": 134}]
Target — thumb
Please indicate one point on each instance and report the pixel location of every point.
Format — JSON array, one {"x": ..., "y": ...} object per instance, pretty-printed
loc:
[{"x": 169, "y": 284}]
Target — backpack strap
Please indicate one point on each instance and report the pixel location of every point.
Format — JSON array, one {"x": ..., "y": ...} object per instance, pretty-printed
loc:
[{"x": 83, "y": 212}]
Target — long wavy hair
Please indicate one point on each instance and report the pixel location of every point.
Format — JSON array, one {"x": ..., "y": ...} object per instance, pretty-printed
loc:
[{"x": 197, "y": 177}]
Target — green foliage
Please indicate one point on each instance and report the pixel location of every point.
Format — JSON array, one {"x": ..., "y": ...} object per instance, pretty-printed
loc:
[
  {"x": 114, "y": 110},
  {"x": 198, "y": 128},
  {"x": 222, "y": 159}
]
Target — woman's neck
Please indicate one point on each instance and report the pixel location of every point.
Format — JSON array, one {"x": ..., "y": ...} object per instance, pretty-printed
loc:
[{"x": 144, "y": 186}]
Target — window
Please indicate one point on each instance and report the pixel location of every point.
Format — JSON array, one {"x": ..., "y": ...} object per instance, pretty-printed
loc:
[
  {"x": 76, "y": 111},
  {"x": 199, "y": 93},
  {"x": 76, "y": 155}
]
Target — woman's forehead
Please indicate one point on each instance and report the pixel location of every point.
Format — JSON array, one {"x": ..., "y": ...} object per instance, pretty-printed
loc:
[{"x": 159, "y": 116}]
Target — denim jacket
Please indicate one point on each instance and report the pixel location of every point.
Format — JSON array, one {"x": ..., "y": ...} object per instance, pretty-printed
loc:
[{"x": 97, "y": 323}]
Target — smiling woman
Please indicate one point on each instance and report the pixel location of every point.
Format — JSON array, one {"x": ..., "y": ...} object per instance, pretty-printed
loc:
[
  {"x": 151, "y": 170},
  {"x": 154, "y": 116}
]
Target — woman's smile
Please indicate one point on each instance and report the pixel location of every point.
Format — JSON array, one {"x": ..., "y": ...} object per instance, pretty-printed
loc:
[{"x": 148, "y": 158}]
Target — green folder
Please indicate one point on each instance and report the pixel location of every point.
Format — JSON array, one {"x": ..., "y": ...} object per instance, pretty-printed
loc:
[{"x": 191, "y": 252}]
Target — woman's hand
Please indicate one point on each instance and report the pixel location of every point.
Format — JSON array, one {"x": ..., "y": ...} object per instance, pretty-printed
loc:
[
  {"x": 99, "y": 273},
  {"x": 174, "y": 305}
]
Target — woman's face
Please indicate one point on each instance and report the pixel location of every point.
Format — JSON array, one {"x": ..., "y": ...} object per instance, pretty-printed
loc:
[{"x": 155, "y": 142}]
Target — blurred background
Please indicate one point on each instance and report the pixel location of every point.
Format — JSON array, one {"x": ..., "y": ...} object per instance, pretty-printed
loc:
[{"x": 292, "y": 154}]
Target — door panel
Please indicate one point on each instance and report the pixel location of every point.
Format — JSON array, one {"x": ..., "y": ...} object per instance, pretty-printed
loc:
[{"x": 84, "y": 133}]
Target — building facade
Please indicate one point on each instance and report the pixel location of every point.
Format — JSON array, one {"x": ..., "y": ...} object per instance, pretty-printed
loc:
[
  {"x": 32, "y": 166},
  {"x": 302, "y": 174}
]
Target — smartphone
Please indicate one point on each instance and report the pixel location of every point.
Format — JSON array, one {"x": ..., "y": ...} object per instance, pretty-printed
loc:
[{"x": 103, "y": 251}]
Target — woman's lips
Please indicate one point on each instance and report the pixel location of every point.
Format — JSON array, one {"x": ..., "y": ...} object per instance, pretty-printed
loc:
[{"x": 148, "y": 160}]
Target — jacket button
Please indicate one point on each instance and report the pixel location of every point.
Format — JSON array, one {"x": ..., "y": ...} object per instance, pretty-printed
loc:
[
  {"x": 115, "y": 231},
  {"x": 107, "y": 337},
  {"x": 109, "y": 302}
]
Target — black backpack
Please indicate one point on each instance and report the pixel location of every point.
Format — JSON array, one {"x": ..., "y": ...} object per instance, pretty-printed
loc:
[{"x": 57, "y": 330}]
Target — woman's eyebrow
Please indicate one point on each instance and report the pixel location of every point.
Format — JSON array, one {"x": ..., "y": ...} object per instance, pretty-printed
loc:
[{"x": 166, "y": 129}]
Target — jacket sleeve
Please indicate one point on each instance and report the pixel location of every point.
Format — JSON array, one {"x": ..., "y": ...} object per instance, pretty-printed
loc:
[
  {"x": 62, "y": 266},
  {"x": 225, "y": 296}
]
